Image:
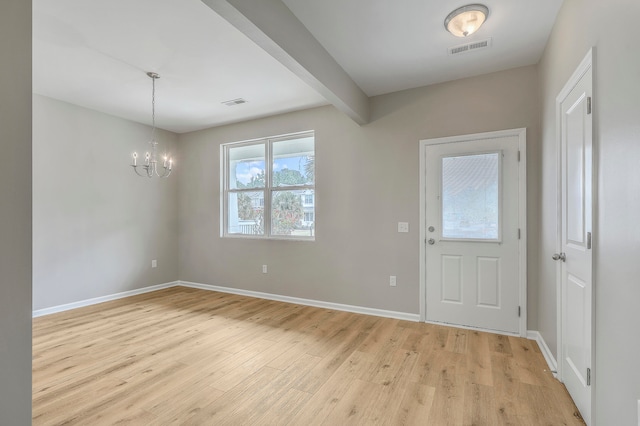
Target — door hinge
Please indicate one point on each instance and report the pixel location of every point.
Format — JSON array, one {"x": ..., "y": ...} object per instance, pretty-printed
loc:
[
  {"x": 518, "y": 156},
  {"x": 519, "y": 313},
  {"x": 588, "y": 240},
  {"x": 518, "y": 233},
  {"x": 589, "y": 105},
  {"x": 588, "y": 377}
]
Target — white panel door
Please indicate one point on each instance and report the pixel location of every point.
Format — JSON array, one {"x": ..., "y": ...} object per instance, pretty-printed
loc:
[
  {"x": 575, "y": 258},
  {"x": 472, "y": 233}
]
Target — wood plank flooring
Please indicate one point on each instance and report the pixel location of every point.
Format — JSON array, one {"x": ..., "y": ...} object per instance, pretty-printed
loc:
[{"x": 183, "y": 356}]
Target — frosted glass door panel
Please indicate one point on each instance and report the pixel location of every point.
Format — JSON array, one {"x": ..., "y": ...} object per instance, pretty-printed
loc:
[{"x": 471, "y": 197}]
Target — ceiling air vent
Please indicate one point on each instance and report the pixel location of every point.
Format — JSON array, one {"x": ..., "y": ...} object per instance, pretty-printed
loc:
[
  {"x": 470, "y": 47},
  {"x": 234, "y": 102}
]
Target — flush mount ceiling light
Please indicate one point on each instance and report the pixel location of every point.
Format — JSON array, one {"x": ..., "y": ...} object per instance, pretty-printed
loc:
[
  {"x": 466, "y": 20},
  {"x": 150, "y": 166}
]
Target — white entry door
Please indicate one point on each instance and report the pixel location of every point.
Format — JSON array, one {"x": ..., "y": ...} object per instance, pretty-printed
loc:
[
  {"x": 575, "y": 256},
  {"x": 473, "y": 231}
]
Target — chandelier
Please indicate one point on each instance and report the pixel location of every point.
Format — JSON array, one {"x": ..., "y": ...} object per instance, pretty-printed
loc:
[{"x": 150, "y": 167}]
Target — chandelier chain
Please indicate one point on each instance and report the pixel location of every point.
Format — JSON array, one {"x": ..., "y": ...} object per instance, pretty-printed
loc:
[{"x": 153, "y": 108}]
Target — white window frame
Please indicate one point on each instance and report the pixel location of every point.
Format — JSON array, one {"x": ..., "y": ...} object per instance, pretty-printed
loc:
[{"x": 268, "y": 189}]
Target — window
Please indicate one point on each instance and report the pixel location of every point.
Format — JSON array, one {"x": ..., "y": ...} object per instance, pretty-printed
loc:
[
  {"x": 268, "y": 188},
  {"x": 471, "y": 197},
  {"x": 308, "y": 199}
]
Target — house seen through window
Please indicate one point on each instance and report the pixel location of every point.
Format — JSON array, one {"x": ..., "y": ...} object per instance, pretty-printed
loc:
[{"x": 269, "y": 188}]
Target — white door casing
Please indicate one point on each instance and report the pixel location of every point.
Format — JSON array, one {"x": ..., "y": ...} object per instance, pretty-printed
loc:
[
  {"x": 474, "y": 276},
  {"x": 575, "y": 238}
]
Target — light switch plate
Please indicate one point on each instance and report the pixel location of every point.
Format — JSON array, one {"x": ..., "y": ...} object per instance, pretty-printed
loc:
[
  {"x": 403, "y": 226},
  {"x": 392, "y": 280}
]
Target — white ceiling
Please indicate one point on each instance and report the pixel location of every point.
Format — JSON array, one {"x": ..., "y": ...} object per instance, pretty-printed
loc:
[
  {"x": 96, "y": 53},
  {"x": 391, "y": 45}
]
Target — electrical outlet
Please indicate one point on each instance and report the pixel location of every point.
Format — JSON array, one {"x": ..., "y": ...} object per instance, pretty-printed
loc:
[
  {"x": 392, "y": 280},
  {"x": 264, "y": 269},
  {"x": 154, "y": 263},
  {"x": 403, "y": 226}
]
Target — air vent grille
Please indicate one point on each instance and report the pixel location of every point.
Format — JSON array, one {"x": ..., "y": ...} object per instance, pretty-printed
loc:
[
  {"x": 234, "y": 102},
  {"x": 470, "y": 47}
]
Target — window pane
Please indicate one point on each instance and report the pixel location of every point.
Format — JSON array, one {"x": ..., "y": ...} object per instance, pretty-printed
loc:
[
  {"x": 470, "y": 196},
  {"x": 290, "y": 215},
  {"x": 246, "y": 166},
  {"x": 293, "y": 162},
  {"x": 246, "y": 213}
]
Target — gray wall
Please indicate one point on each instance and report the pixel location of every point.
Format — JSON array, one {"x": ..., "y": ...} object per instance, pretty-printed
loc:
[
  {"x": 367, "y": 181},
  {"x": 15, "y": 212},
  {"x": 96, "y": 225},
  {"x": 611, "y": 27}
]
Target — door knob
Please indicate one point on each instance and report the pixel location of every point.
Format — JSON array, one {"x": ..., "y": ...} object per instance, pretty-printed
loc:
[
  {"x": 559, "y": 256},
  {"x": 431, "y": 241}
]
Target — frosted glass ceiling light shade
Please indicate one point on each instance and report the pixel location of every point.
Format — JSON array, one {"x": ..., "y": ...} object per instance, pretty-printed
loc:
[{"x": 466, "y": 20}]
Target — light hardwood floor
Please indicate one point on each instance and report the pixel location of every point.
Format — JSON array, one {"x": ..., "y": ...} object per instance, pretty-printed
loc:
[{"x": 193, "y": 357}]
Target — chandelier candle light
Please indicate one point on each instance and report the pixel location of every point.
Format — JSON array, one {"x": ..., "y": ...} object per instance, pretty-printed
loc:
[{"x": 150, "y": 165}]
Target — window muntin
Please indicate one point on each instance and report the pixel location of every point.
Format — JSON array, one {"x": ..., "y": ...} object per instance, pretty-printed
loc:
[
  {"x": 471, "y": 197},
  {"x": 269, "y": 202}
]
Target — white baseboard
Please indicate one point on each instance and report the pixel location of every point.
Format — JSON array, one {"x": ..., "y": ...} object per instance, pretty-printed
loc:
[
  {"x": 249, "y": 293},
  {"x": 96, "y": 300},
  {"x": 307, "y": 302},
  {"x": 546, "y": 352}
]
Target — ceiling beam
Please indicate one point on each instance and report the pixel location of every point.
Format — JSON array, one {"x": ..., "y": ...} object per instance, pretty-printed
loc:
[{"x": 273, "y": 27}]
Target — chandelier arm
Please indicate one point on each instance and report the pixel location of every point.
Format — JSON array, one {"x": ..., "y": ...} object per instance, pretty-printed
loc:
[
  {"x": 167, "y": 172},
  {"x": 155, "y": 169},
  {"x": 146, "y": 168}
]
